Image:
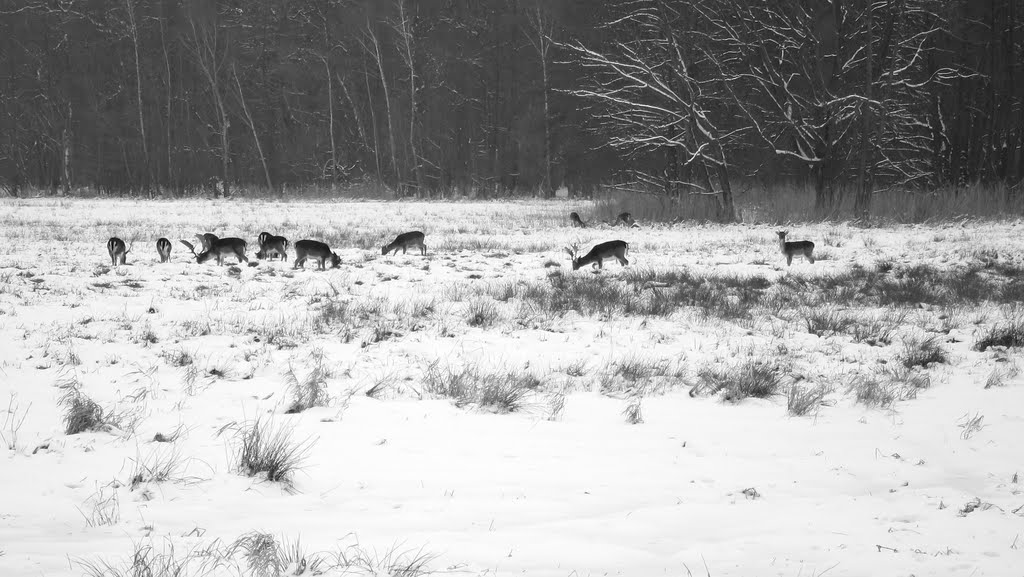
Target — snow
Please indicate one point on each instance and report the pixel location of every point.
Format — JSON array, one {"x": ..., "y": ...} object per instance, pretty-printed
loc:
[{"x": 849, "y": 490}]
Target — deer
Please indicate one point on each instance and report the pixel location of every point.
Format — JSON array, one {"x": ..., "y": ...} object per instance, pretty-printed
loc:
[
  {"x": 271, "y": 245},
  {"x": 795, "y": 248},
  {"x": 163, "y": 248},
  {"x": 206, "y": 240},
  {"x": 218, "y": 249},
  {"x": 626, "y": 219},
  {"x": 576, "y": 221},
  {"x": 117, "y": 251},
  {"x": 613, "y": 248},
  {"x": 404, "y": 241},
  {"x": 262, "y": 238},
  {"x": 317, "y": 250}
]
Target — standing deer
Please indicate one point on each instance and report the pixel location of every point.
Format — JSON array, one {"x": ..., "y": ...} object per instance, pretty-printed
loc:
[
  {"x": 163, "y": 248},
  {"x": 576, "y": 221},
  {"x": 271, "y": 245},
  {"x": 613, "y": 248},
  {"x": 795, "y": 248},
  {"x": 219, "y": 248},
  {"x": 317, "y": 250},
  {"x": 117, "y": 251},
  {"x": 206, "y": 240},
  {"x": 404, "y": 241}
]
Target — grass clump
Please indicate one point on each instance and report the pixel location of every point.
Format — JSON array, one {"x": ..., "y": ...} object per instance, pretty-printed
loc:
[
  {"x": 82, "y": 414},
  {"x": 501, "y": 392},
  {"x": 876, "y": 329},
  {"x": 481, "y": 312},
  {"x": 801, "y": 400},
  {"x": 261, "y": 449},
  {"x": 265, "y": 556},
  {"x": 1007, "y": 334},
  {"x": 882, "y": 389},
  {"x": 633, "y": 411},
  {"x": 310, "y": 391},
  {"x": 827, "y": 321},
  {"x": 921, "y": 352},
  {"x": 759, "y": 378}
]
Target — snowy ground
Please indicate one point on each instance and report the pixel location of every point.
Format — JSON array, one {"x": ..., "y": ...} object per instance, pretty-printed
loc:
[{"x": 562, "y": 485}]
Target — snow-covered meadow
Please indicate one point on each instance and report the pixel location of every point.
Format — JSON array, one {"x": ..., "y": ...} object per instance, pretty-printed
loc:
[{"x": 485, "y": 410}]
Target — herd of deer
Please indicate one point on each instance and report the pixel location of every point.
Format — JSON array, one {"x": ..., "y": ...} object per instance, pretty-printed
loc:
[{"x": 213, "y": 247}]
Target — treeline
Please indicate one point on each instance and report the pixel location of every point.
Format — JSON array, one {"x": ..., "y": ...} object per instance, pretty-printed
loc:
[{"x": 500, "y": 96}]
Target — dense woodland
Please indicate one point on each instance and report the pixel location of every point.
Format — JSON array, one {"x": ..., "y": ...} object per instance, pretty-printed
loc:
[{"x": 492, "y": 97}]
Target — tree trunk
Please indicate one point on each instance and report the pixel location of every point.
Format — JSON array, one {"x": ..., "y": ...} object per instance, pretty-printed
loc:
[
  {"x": 330, "y": 121},
  {"x": 387, "y": 105},
  {"x": 255, "y": 134},
  {"x": 65, "y": 185},
  {"x": 147, "y": 177},
  {"x": 862, "y": 202}
]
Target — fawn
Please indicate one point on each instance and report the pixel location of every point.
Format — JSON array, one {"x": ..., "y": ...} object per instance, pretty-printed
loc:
[
  {"x": 576, "y": 221},
  {"x": 795, "y": 248}
]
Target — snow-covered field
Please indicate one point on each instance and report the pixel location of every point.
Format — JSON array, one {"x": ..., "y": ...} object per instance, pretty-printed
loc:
[{"x": 546, "y": 475}]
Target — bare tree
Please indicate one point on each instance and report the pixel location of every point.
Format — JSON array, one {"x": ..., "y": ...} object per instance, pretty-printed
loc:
[
  {"x": 133, "y": 32},
  {"x": 374, "y": 50},
  {"x": 210, "y": 51},
  {"x": 651, "y": 101},
  {"x": 252, "y": 126}
]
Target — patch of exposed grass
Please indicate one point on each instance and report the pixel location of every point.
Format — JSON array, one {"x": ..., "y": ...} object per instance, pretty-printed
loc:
[
  {"x": 802, "y": 400},
  {"x": 1009, "y": 333},
  {"x": 827, "y": 321},
  {"x": 311, "y": 390},
  {"x": 883, "y": 388},
  {"x": 502, "y": 391},
  {"x": 261, "y": 448},
  {"x": 481, "y": 312},
  {"x": 921, "y": 352},
  {"x": 756, "y": 377},
  {"x": 876, "y": 329}
]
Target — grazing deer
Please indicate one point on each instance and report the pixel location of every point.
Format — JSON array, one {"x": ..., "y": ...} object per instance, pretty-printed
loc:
[
  {"x": 317, "y": 250},
  {"x": 206, "y": 240},
  {"x": 576, "y": 221},
  {"x": 596, "y": 256},
  {"x": 163, "y": 248},
  {"x": 626, "y": 219},
  {"x": 271, "y": 245},
  {"x": 795, "y": 248},
  {"x": 404, "y": 241},
  {"x": 117, "y": 251},
  {"x": 219, "y": 248},
  {"x": 262, "y": 238}
]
